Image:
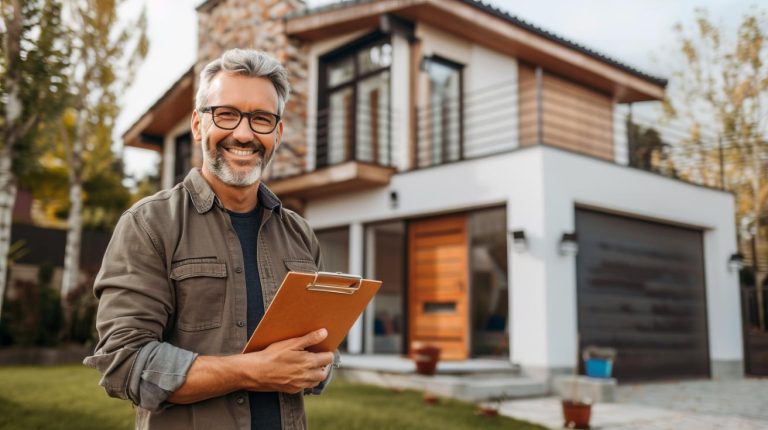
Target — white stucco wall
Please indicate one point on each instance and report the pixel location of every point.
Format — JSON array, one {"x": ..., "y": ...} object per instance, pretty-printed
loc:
[{"x": 541, "y": 187}]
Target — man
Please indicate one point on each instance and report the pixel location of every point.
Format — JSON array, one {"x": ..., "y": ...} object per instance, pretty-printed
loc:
[{"x": 189, "y": 272}]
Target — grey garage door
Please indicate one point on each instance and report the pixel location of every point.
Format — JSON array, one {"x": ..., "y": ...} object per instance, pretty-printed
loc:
[{"x": 641, "y": 290}]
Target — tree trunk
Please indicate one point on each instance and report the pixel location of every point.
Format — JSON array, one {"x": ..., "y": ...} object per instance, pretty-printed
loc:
[
  {"x": 10, "y": 130},
  {"x": 75, "y": 218},
  {"x": 74, "y": 234},
  {"x": 7, "y": 200}
]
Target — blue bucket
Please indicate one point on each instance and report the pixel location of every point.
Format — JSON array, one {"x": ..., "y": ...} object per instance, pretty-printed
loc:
[{"x": 599, "y": 368}]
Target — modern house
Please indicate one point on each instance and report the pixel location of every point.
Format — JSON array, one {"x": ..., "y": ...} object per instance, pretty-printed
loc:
[{"x": 478, "y": 165}]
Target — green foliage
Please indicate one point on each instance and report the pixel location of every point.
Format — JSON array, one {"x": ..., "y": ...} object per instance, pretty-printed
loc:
[
  {"x": 33, "y": 317},
  {"x": 648, "y": 151},
  {"x": 29, "y": 400},
  {"x": 35, "y": 58}
]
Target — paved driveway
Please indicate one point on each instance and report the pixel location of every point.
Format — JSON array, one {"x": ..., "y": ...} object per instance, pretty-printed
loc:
[{"x": 700, "y": 405}]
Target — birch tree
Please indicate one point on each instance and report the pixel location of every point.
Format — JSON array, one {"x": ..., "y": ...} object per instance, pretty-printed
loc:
[
  {"x": 723, "y": 88},
  {"x": 32, "y": 82},
  {"x": 105, "y": 54}
]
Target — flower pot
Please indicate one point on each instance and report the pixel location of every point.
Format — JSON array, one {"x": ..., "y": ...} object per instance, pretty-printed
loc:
[
  {"x": 576, "y": 415},
  {"x": 426, "y": 358},
  {"x": 598, "y": 367}
]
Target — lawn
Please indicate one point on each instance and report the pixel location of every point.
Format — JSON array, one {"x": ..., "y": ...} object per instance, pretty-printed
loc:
[{"x": 68, "y": 397}]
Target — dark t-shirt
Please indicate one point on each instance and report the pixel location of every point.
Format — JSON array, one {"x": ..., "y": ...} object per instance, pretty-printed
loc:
[{"x": 265, "y": 406}]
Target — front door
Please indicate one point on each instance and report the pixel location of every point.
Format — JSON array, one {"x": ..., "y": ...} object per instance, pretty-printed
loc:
[{"x": 439, "y": 285}]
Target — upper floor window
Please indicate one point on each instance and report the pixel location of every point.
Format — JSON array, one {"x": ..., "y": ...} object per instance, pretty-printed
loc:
[
  {"x": 354, "y": 113},
  {"x": 440, "y": 128}
]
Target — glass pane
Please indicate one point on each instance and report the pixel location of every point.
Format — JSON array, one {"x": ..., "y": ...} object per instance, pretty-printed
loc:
[
  {"x": 339, "y": 133},
  {"x": 341, "y": 71},
  {"x": 334, "y": 248},
  {"x": 387, "y": 248},
  {"x": 490, "y": 291},
  {"x": 444, "y": 112},
  {"x": 375, "y": 57},
  {"x": 373, "y": 119}
]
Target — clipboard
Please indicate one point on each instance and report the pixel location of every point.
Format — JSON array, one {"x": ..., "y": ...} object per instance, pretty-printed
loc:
[{"x": 306, "y": 302}]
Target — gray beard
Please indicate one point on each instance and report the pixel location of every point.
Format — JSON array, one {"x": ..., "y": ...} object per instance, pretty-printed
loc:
[{"x": 219, "y": 167}]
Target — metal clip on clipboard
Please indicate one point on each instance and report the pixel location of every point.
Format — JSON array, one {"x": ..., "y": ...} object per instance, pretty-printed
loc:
[{"x": 339, "y": 289}]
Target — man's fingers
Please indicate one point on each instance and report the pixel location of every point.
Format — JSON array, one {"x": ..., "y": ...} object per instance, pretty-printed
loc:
[
  {"x": 324, "y": 359},
  {"x": 312, "y": 338}
]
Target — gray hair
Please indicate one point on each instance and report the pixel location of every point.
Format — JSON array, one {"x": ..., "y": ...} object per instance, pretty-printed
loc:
[{"x": 245, "y": 62}]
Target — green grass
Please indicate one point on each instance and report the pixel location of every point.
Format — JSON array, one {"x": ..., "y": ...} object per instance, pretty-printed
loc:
[{"x": 68, "y": 397}]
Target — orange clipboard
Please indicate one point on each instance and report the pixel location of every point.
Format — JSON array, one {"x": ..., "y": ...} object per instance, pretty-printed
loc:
[{"x": 306, "y": 302}]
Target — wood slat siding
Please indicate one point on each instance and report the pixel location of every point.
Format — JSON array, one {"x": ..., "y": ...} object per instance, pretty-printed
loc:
[
  {"x": 575, "y": 118},
  {"x": 439, "y": 274}
]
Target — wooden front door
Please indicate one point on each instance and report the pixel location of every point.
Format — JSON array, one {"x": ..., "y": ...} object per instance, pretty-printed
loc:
[{"x": 438, "y": 289}]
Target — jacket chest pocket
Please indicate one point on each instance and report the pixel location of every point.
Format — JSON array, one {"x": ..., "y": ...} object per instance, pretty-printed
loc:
[{"x": 200, "y": 294}]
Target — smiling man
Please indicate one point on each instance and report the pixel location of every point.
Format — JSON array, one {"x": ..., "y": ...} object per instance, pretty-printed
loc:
[{"x": 190, "y": 271}]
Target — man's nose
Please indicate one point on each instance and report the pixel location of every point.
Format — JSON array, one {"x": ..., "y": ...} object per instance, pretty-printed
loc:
[{"x": 243, "y": 133}]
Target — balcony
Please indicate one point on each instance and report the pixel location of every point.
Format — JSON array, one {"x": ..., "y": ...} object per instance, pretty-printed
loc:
[{"x": 355, "y": 148}]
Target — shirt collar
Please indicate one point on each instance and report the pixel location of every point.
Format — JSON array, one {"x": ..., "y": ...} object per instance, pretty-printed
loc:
[{"x": 203, "y": 197}]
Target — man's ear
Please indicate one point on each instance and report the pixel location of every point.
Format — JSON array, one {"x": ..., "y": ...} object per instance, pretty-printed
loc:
[
  {"x": 194, "y": 123},
  {"x": 279, "y": 137}
]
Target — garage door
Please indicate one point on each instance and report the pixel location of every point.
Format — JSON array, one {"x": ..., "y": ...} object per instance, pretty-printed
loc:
[{"x": 641, "y": 290}]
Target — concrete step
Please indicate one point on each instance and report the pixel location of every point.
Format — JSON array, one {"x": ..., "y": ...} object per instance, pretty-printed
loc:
[{"x": 471, "y": 380}]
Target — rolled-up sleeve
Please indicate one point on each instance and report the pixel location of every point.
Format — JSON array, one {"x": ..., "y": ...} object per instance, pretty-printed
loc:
[{"x": 135, "y": 306}]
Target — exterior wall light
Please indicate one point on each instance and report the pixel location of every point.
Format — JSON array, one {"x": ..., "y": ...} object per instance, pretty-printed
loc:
[
  {"x": 393, "y": 203},
  {"x": 519, "y": 241},
  {"x": 569, "y": 244},
  {"x": 736, "y": 262}
]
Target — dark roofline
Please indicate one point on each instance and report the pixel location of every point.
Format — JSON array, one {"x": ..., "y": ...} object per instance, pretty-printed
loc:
[{"x": 498, "y": 12}]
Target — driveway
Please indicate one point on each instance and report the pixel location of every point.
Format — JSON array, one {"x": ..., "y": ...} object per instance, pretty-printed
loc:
[{"x": 740, "y": 404}]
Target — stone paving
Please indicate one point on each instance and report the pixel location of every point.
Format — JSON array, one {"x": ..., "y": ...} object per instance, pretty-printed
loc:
[{"x": 740, "y": 404}]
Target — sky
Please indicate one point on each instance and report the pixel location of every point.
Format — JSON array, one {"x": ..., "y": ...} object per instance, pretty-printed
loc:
[{"x": 638, "y": 33}]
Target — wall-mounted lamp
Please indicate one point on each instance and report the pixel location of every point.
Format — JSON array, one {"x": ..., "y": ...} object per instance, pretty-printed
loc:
[
  {"x": 393, "y": 199},
  {"x": 519, "y": 241},
  {"x": 735, "y": 262},
  {"x": 569, "y": 244}
]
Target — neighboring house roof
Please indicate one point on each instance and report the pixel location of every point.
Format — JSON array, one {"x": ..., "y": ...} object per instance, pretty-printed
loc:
[{"x": 163, "y": 115}]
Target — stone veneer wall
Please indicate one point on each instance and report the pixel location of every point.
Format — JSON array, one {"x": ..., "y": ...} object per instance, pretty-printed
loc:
[{"x": 259, "y": 24}]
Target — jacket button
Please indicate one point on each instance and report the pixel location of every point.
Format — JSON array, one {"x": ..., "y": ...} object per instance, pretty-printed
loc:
[
  {"x": 238, "y": 269},
  {"x": 241, "y": 323},
  {"x": 240, "y": 400}
]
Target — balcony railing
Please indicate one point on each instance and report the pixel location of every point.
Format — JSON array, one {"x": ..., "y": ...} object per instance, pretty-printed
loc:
[{"x": 507, "y": 116}]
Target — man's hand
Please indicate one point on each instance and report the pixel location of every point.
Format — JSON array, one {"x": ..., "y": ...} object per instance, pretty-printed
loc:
[
  {"x": 283, "y": 366},
  {"x": 286, "y": 366}
]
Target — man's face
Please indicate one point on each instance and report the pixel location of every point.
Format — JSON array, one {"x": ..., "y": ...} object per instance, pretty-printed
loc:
[{"x": 237, "y": 157}]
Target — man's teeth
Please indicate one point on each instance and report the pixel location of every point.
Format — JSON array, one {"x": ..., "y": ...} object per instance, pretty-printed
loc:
[{"x": 241, "y": 152}]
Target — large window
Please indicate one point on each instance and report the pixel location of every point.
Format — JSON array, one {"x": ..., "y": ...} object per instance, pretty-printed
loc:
[
  {"x": 334, "y": 247},
  {"x": 440, "y": 121},
  {"x": 385, "y": 248},
  {"x": 490, "y": 289},
  {"x": 354, "y": 107}
]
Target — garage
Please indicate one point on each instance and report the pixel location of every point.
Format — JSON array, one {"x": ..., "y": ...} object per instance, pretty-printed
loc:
[{"x": 641, "y": 290}]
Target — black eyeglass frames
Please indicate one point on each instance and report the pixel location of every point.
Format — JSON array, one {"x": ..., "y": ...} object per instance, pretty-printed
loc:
[{"x": 228, "y": 118}]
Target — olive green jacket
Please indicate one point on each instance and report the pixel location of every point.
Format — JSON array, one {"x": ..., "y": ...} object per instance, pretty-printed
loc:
[{"x": 172, "y": 286}]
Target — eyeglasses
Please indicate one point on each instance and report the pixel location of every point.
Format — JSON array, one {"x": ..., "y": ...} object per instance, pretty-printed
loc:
[{"x": 228, "y": 118}]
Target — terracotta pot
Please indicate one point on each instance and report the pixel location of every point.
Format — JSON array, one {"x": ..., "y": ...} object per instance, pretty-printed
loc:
[
  {"x": 576, "y": 414},
  {"x": 426, "y": 358}
]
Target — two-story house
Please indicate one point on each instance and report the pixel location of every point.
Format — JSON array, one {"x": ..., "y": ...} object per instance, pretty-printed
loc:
[{"x": 478, "y": 165}]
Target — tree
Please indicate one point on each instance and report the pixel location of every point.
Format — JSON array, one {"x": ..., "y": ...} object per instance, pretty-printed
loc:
[
  {"x": 723, "y": 87},
  {"x": 33, "y": 82},
  {"x": 104, "y": 57}
]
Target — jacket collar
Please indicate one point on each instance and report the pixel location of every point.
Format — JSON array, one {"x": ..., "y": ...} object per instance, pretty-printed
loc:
[{"x": 203, "y": 197}]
